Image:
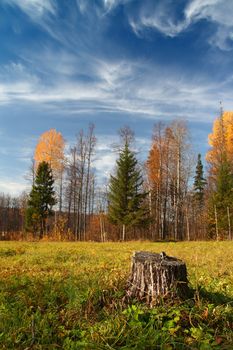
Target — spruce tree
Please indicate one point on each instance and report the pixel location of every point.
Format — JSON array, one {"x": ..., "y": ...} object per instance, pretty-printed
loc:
[
  {"x": 199, "y": 182},
  {"x": 222, "y": 198},
  {"x": 41, "y": 199},
  {"x": 126, "y": 195}
]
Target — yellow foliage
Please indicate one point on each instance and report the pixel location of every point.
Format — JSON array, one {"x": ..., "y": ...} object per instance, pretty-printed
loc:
[
  {"x": 221, "y": 140},
  {"x": 50, "y": 148}
]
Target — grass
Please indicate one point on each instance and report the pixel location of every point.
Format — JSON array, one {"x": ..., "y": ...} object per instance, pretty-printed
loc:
[{"x": 70, "y": 296}]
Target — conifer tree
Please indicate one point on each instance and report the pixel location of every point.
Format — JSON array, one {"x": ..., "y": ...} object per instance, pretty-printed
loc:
[
  {"x": 199, "y": 182},
  {"x": 222, "y": 198},
  {"x": 126, "y": 195},
  {"x": 41, "y": 199}
]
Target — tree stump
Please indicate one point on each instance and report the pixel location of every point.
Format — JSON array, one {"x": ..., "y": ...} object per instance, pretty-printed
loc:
[{"x": 155, "y": 277}]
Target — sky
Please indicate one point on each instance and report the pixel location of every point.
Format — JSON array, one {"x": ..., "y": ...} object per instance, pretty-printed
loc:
[{"x": 67, "y": 63}]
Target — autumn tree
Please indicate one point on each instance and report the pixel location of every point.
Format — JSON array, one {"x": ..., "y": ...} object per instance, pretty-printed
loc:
[
  {"x": 41, "y": 200},
  {"x": 80, "y": 183},
  {"x": 220, "y": 159},
  {"x": 221, "y": 143},
  {"x": 50, "y": 149},
  {"x": 89, "y": 178},
  {"x": 158, "y": 180},
  {"x": 168, "y": 171},
  {"x": 126, "y": 196},
  {"x": 181, "y": 171},
  {"x": 11, "y": 216}
]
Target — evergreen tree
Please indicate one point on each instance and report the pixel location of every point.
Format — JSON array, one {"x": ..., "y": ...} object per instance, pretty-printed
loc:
[
  {"x": 222, "y": 198},
  {"x": 41, "y": 199},
  {"x": 126, "y": 195},
  {"x": 199, "y": 182}
]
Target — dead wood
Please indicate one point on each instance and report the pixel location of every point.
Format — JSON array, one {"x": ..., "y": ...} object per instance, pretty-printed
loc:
[{"x": 155, "y": 277}]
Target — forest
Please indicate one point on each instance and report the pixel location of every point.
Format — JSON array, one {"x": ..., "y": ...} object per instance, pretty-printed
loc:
[{"x": 171, "y": 195}]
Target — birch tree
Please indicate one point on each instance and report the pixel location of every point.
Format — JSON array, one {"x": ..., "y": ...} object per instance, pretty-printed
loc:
[{"x": 50, "y": 149}]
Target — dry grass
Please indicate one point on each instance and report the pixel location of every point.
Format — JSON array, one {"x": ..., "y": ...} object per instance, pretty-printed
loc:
[{"x": 69, "y": 296}]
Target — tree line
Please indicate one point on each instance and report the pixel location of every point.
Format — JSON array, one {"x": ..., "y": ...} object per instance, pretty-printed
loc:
[{"x": 168, "y": 197}]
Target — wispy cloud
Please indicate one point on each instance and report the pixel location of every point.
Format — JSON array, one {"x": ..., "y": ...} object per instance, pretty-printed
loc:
[
  {"x": 162, "y": 16},
  {"x": 117, "y": 87},
  {"x": 102, "y": 6},
  {"x": 111, "y": 4},
  {"x": 34, "y": 8},
  {"x": 97, "y": 60},
  {"x": 166, "y": 17}
]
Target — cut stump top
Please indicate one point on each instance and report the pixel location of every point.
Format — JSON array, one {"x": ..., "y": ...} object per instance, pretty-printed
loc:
[
  {"x": 156, "y": 258},
  {"x": 156, "y": 276}
]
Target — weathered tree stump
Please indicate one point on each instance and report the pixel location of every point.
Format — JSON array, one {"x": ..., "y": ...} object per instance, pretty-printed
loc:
[{"x": 155, "y": 277}]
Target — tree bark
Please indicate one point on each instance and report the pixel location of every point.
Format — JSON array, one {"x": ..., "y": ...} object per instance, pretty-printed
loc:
[
  {"x": 90, "y": 144},
  {"x": 216, "y": 222},
  {"x": 123, "y": 232},
  {"x": 229, "y": 223},
  {"x": 155, "y": 277}
]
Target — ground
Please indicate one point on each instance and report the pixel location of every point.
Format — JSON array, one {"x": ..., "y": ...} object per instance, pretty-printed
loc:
[{"x": 71, "y": 296}]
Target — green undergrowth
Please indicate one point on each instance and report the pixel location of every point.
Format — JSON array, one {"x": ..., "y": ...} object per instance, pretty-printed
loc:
[{"x": 71, "y": 296}]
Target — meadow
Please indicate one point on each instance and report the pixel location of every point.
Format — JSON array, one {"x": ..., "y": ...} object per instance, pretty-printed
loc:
[{"x": 71, "y": 296}]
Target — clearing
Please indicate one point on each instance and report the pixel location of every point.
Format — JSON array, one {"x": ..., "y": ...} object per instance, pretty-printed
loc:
[{"x": 70, "y": 296}]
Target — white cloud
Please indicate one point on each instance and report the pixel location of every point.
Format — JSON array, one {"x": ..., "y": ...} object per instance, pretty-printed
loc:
[
  {"x": 122, "y": 87},
  {"x": 82, "y": 5},
  {"x": 113, "y": 74},
  {"x": 34, "y": 8},
  {"x": 111, "y": 4},
  {"x": 162, "y": 16},
  {"x": 78, "y": 83},
  {"x": 106, "y": 5},
  {"x": 105, "y": 157},
  {"x": 105, "y": 164},
  {"x": 12, "y": 187},
  {"x": 159, "y": 15},
  {"x": 218, "y": 12}
]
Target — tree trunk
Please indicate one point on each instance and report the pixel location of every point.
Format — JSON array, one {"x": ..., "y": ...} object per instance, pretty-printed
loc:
[
  {"x": 123, "y": 232},
  {"x": 60, "y": 191},
  {"x": 155, "y": 277},
  {"x": 90, "y": 143},
  {"x": 187, "y": 225},
  {"x": 229, "y": 223},
  {"x": 216, "y": 222}
]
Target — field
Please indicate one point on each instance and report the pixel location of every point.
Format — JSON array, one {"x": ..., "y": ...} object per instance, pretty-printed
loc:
[{"x": 71, "y": 296}]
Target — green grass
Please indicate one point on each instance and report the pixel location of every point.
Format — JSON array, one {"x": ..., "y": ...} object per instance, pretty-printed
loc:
[{"x": 71, "y": 296}]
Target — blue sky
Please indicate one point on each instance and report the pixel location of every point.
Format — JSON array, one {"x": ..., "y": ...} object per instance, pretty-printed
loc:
[{"x": 66, "y": 63}]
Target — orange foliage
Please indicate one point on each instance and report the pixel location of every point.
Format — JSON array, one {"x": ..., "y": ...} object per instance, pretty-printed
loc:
[
  {"x": 153, "y": 164},
  {"x": 159, "y": 156},
  {"x": 50, "y": 148}
]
